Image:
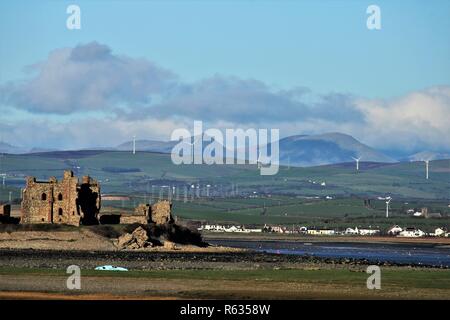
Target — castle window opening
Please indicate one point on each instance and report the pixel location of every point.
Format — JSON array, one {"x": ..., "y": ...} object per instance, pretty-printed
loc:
[
  {"x": 60, "y": 197},
  {"x": 44, "y": 196}
]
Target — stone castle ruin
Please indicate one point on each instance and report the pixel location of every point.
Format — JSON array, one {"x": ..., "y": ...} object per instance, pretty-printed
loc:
[
  {"x": 68, "y": 201},
  {"x": 158, "y": 213},
  {"x": 74, "y": 202}
]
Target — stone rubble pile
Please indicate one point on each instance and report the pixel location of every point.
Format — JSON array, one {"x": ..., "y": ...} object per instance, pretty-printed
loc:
[{"x": 136, "y": 240}]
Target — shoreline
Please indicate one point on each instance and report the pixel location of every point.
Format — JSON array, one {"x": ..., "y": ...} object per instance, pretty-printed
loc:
[
  {"x": 324, "y": 239},
  {"x": 83, "y": 246},
  {"x": 184, "y": 260},
  {"x": 158, "y": 275}
]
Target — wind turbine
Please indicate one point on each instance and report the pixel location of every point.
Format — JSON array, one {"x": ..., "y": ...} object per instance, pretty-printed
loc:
[
  {"x": 134, "y": 144},
  {"x": 427, "y": 162},
  {"x": 357, "y": 162},
  {"x": 388, "y": 200}
]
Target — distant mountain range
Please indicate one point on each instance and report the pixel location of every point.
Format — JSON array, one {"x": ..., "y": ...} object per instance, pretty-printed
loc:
[
  {"x": 328, "y": 148},
  {"x": 7, "y": 148},
  {"x": 41, "y": 150},
  {"x": 299, "y": 150}
]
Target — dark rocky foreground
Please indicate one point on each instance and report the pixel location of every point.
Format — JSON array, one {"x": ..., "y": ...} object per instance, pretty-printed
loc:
[{"x": 141, "y": 260}]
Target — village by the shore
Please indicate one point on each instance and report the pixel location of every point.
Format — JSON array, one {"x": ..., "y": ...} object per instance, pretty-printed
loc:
[{"x": 393, "y": 231}]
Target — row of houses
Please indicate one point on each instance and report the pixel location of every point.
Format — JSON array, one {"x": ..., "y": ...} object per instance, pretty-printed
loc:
[
  {"x": 227, "y": 228},
  {"x": 286, "y": 230},
  {"x": 409, "y": 232},
  {"x": 317, "y": 231}
]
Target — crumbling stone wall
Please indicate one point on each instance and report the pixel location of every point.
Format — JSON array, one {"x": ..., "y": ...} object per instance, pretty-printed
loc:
[
  {"x": 143, "y": 209},
  {"x": 65, "y": 202},
  {"x": 158, "y": 213},
  {"x": 132, "y": 218},
  {"x": 140, "y": 215},
  {"x": 161, "y": 212}
]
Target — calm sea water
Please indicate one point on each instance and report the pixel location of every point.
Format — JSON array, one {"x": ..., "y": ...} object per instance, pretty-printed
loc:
[{"x": 395, "y": 253}]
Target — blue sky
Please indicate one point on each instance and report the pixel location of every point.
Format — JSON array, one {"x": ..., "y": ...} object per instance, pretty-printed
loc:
[{"x": 320, "y": 45}]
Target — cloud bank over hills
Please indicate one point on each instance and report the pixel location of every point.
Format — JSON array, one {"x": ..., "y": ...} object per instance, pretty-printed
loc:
[{"x": 89, "y": 96}]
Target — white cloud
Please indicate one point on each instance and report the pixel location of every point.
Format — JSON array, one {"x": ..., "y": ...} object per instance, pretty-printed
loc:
[
  {"x": 420, "y": 119},
  {"x": 102, "y": 99},
  {"x": 86, "y": 78}
]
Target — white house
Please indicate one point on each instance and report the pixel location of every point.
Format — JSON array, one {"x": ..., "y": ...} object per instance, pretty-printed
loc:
[
  {"x": 212, "y": 228},
  {"x": 220, "y": 228},
  {"x": 439, "y": 232},
  {"x": 233, "y": 229},
  {"x": 361, "y": 231},
  {"x": 278, "y": 229},
  {"x": 368, "y": 232},
  {"x": 395, "y": 230},
  {"x": 351, "y": 231},
  {"x": 321, "y": 232},
  {"x": 411, "y": 233}
]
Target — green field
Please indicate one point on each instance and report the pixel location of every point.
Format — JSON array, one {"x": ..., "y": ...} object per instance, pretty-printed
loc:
[
  {"x": 238, "y": 193},
  {"x": 402, "y": 180},
  {"x": 264, "y": 283},
  {"x": 392, "y": 276}
]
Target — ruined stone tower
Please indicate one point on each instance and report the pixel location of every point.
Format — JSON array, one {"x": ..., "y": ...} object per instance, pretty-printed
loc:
[
  {"x": 159, "y": 213},
  {"x": 64, "y": 202}
]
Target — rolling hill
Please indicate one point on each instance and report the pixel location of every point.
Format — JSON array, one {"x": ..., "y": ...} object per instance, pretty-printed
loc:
[
  {"x": 8, "y": 148},
  {"x": 122, "y": 172},
  {"x": 300, "y": 150},
  {"x": 326, "y": 148}
]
